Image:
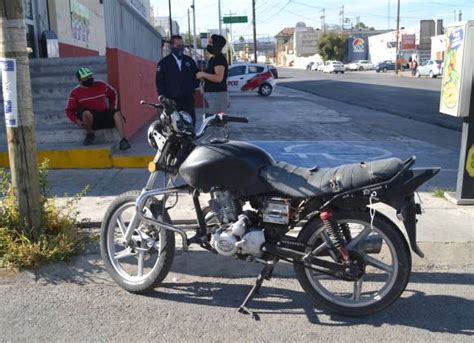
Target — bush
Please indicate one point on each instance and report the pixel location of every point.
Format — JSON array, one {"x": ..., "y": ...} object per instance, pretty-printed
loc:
[{"x": 56, "y": 240}]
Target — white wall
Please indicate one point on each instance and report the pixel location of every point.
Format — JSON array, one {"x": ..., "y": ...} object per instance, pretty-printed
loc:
[{"x": 61, "y": 23}]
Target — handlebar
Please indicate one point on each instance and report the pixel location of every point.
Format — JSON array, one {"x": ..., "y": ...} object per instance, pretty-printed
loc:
[{"x": 218, "y": 120}]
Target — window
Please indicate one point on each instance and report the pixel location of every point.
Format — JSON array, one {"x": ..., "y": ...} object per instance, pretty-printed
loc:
[
  {"x": 239, "y": 70},
  {"x": 256, "y": 69}
]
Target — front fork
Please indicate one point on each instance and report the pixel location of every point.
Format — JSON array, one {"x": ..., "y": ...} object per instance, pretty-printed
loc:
[{"x": 147, "y": 193}]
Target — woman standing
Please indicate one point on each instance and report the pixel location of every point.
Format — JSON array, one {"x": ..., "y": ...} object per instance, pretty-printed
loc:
[{"x": 215, "y": 76}]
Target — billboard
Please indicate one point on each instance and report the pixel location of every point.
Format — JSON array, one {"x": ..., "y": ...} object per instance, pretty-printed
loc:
[
  {"x": 458, "y": 69},
  {"x": 306, "y": 42},
  {"x": 408, "y": 42},
  {"x": 357, "y": 49}
]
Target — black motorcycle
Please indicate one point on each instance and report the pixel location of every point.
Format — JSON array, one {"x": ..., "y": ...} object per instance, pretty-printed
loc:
[{"x": 349, "y": 258}]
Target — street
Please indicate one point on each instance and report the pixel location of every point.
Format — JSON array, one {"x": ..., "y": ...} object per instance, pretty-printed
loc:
[
  {"x": 415, "y": 98},
  {"x": 199, "y": 298}
]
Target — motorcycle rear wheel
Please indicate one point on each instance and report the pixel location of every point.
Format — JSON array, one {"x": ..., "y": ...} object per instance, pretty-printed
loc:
[
  {"x": 144, "y": 265},
  {"x": 386, "y": 273}
]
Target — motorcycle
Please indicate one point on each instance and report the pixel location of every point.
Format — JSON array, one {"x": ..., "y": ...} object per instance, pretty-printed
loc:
[{"x": 349, "y": 258}]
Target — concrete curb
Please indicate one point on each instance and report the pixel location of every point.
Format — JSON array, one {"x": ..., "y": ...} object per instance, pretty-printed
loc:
[{"x": 94, "y": 158}]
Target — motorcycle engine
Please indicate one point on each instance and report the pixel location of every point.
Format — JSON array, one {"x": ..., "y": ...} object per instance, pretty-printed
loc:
[{"x": 239, "y": 232}]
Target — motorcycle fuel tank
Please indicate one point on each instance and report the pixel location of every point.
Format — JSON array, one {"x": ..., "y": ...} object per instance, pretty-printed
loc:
[{"x": 230, "y": 165}]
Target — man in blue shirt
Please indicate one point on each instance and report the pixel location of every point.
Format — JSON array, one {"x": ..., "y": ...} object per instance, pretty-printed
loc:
[{"x": 176, "y": 77}]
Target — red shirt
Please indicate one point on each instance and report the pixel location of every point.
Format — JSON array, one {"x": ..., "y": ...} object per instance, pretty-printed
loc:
[{"x": 92, "y": 98}]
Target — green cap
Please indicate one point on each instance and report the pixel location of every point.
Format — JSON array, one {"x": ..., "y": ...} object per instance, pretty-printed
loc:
[{"x": 83, "y": 72}]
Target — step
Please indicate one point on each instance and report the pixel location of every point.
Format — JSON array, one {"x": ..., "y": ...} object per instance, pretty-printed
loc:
[
  {"x": 65, "y": 133},
  {"x": 60, "y": 81},
  {"x": 67, "y": 61},
  {"x": 66, "y": 70}
]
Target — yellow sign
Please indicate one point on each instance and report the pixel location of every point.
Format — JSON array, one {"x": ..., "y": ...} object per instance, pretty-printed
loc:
[
  {"x": 470, "y": 161},
  {"x": 457, "y": 69}
]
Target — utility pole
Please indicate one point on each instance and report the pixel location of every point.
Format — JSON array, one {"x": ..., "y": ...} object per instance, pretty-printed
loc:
[
  {"x": 341, "y": 13},
  {"x": 171, "y": 21},
  {"x": 189, "y": 28},
  {"x": 323, "y": 20},
  {"x": 398, "y": 38},
  {"x": 220, "y": 16},
  {"x": 19, "y": 118},
  {"x": 388, "y": 15},
  {"x": 254, "y": 32},
  {"x": 194, "y": 26}
]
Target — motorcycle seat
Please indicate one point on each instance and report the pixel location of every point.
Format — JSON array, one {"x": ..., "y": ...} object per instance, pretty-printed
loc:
[{"x": 299, "y": 182}]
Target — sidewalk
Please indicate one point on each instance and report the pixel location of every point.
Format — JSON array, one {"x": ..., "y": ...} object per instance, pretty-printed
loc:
[{"x": 317, "y": 123}]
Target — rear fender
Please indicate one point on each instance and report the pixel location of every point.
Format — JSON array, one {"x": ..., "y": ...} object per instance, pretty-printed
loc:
[{"x": 400, "y": 195}]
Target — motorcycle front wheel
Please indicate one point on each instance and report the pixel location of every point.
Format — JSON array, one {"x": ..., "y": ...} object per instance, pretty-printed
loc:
[
  {"x": 145, "y": 263},
  {"x": 380, "y": 248}
]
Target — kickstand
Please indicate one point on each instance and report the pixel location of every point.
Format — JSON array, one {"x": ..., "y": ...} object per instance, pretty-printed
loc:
[{"x": 265, "y": 274}]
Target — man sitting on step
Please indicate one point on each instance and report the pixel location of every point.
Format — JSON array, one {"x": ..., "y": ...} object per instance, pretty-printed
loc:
[{"x": 87, "y": 107}]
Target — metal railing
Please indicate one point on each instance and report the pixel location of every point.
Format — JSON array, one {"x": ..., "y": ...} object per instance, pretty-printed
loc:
[{"x": 128, "y": 30}]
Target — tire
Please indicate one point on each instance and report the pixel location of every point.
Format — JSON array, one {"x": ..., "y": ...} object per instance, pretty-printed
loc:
[
  {"x": 361, "y": 68},
  {"x": 417, "y": 74},
  {"x": 342, "y": 72},
  {"x": 382, "y": 298},
  {"x": 402, "y": 68},
  {"x": 164, "y": 260},
  {"x": 384, "y": 70},
  {"x": 432, "y": 75},
  {"x": 377, "y": 70},
  {"x": 265, "y": 90}
]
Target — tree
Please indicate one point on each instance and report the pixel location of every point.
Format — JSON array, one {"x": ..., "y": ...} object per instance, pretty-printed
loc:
[
  {"x": 241, "y": 39},
  {"x": 333, "y": 46},
  {"x": 21, "y": 133},
  {"x": 361, "y": 25}
]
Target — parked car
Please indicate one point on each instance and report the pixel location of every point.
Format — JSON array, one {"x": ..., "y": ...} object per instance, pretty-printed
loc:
[
  {"x": 384, "y": 66},
  {"x": 274, "y": 70},
  {"x": 333, "y": 67},
  {"x": 360, "y": 65},
  {"x": 317, "y": 66},
  {"x": 431, "y": 68},
  {"x": 246, "y": 77}
]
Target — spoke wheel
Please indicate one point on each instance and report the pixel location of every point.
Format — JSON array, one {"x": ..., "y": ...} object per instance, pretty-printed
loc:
[
  {"x": 147, "y": 260},
  {"x": 385, "y": 272}
]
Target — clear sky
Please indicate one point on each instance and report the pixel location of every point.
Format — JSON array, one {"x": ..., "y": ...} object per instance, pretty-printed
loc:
[{"x": 274, "y": 15}]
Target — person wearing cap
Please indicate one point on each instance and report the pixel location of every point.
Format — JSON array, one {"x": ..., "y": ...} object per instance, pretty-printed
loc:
[
  {"x": 215, "y": 76},
  {"x": 176, "y": 77},
  {"x": 93, "y": 105}
]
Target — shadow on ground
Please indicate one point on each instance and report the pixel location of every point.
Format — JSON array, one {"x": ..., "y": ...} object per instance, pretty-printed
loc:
[{"x": 446, "y": 313}]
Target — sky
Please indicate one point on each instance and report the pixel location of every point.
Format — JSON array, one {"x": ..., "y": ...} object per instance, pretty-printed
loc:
[{"x": 274, "y": 15}]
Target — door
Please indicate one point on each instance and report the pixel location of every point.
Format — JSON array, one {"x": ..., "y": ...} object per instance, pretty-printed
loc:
[{"x": 236, "y": 78}]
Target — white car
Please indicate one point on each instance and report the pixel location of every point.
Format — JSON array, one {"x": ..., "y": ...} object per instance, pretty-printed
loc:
[
  {"x": 360, "y": 65},
  {"x": 246, "y": 77},
  {"x": 317, "y": 65},
  {"x": 333, "y": 67}
]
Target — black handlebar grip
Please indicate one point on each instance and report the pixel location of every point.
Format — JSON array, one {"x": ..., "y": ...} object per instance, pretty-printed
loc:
[{"x": 237, "y": 119}]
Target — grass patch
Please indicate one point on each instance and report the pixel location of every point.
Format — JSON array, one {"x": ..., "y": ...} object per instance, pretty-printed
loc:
[
  {"x": 58, "y": 238},
  {"x": 439, "y": 191}
]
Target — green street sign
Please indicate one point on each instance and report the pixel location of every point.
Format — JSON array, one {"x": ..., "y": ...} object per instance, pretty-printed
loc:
[{"x": 235, "y": 20}]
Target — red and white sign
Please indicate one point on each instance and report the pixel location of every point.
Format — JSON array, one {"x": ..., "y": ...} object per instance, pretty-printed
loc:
[{"x": 408, "y": 42}]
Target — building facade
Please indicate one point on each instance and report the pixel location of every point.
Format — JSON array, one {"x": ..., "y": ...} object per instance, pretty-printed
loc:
[
  {"x": 79, "y": 25},
  {"x": 162, "y": 25}
]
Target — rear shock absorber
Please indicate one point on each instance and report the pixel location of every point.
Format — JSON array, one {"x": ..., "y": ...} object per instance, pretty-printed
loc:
[{"x": 335, "y": 234}]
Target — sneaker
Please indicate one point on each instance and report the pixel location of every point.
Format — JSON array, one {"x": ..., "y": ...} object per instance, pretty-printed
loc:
[
  {"x": 124, "y": 144},
  {"x": 89, "y": 140}
]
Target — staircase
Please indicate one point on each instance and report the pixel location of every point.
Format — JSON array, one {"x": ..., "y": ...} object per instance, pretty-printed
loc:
[{"x": 51, "y": 81}]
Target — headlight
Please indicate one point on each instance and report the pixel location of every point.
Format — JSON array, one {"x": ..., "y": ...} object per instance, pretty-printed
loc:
[
  {"x": 183, "y": 123},
  {"x": 154, "y": 127}
]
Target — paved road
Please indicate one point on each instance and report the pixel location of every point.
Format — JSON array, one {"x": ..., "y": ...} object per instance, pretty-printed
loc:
[
  {"x": 404, "y": 96},
  {"x": 77, "y": 302}
]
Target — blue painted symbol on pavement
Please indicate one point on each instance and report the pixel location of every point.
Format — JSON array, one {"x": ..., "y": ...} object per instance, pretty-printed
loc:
[{"x": 335, "y": 153}]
